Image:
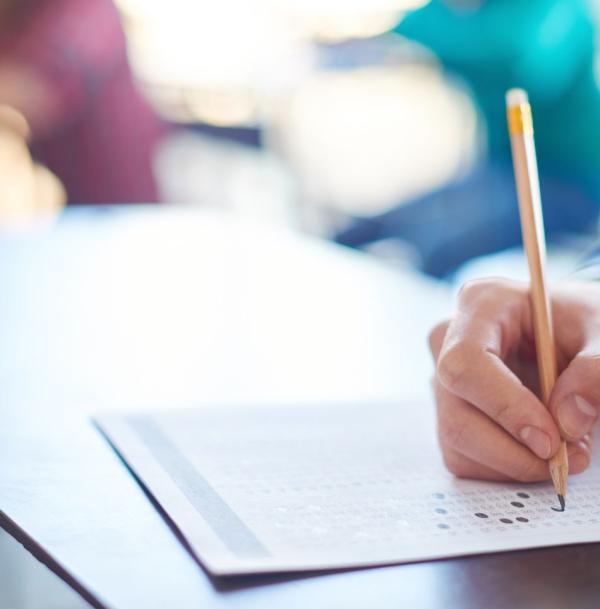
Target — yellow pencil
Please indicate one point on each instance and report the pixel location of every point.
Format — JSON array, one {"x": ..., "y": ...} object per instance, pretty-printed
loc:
[{"x": 520, "y": 127}]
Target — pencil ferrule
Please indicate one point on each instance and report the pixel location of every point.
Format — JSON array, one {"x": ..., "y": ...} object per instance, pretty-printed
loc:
[{"x": 519, "y": 119}]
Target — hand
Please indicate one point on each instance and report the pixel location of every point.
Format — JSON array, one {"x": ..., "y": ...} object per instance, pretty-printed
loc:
[
  {"x": 491, "y": 422},
  {"x": 28, "y": 191}
]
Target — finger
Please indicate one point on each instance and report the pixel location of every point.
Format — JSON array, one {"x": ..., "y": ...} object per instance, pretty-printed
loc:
[
  {"x": 474, "y": 447},
  {"x": 489, "y": 453},
  {"x": 482, "y": 379},
  {"x": 463, "y": 467},
  {"x": 575, "y": 399},
  {"x": 465, "y": 429},
  {"x": 436, "y": 338},
  {"x": 470, "y": 366},
  {"x": 580, "y": 456}
]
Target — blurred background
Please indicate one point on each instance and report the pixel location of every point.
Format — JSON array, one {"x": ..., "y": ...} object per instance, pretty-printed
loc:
[{"x": 376, "y": 123}]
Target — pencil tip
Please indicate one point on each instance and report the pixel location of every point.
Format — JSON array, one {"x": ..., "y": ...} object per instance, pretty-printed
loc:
[{"x": 561, "y": 500}]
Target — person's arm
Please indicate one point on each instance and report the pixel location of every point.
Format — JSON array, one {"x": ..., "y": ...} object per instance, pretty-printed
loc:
[{"x": 491, "y": 423}]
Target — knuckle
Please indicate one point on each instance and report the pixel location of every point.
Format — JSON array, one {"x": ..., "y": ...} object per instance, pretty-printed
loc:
[
  {"x": 503, "y": 415},
  {"x": 473, "y": 290},
  {"x": 488, "y": 288},
  {"x": 436, "y": 335},
  {"x": 454, "y": 365}
]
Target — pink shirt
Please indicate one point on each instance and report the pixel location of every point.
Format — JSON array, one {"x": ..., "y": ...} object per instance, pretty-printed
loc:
[{"x": 102, "y": 132}]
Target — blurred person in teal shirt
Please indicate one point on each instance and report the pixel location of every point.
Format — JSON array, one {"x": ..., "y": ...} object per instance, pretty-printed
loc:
[{"x": 546, "y": 47}]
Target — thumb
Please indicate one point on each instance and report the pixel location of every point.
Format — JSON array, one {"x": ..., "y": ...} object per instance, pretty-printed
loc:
[{"x": 575, "y": 400}]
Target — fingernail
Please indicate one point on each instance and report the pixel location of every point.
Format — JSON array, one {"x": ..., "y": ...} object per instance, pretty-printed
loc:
[
  {"x": 538, "y": 441},
  {"x": 576, "y": 415}
]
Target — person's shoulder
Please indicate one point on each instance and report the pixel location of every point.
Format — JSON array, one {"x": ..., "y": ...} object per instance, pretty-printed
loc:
[{"x": 58, "y": 24}]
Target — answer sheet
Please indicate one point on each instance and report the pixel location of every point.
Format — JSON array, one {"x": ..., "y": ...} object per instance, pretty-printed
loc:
[{"x": 256, "y": 490}]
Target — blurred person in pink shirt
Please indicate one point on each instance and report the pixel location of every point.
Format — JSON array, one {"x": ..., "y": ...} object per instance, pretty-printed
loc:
[{"x": 64, "y": 66}]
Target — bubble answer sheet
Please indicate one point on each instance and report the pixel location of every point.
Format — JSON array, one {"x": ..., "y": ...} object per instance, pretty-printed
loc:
[{"x": 255, "y": 490}]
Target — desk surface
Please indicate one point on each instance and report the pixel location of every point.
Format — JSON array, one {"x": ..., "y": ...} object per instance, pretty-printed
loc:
[{"x": 156, "y": 308}]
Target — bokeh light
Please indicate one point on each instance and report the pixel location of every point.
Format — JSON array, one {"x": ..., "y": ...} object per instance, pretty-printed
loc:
[{"x": 365, "y": 139}]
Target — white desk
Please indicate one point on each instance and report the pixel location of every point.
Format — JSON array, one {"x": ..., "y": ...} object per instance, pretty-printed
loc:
[{"x": 154, "y": 308}]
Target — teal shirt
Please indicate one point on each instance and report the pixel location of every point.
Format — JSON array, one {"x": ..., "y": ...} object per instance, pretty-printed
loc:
[{"x": 544, "y": 46}]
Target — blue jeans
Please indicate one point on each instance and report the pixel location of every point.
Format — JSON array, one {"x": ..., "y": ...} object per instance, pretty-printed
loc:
[{"x": 475, "y": 216}]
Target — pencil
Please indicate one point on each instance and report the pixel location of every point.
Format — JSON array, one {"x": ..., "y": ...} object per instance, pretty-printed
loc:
[{"x": 520, "y": 127}]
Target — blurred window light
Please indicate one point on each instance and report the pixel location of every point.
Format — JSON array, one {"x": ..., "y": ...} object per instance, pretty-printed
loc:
[
  {"x": 362, "y": 141},
  {"x": 335, "y": 27},
  {"x": 218, "y": 44},
  {"x": 338, "y": 20},
  {"x": 189, "y": 55},
  {"x": 218, "y": 107},
  {"x": 212, "y": 61}
]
